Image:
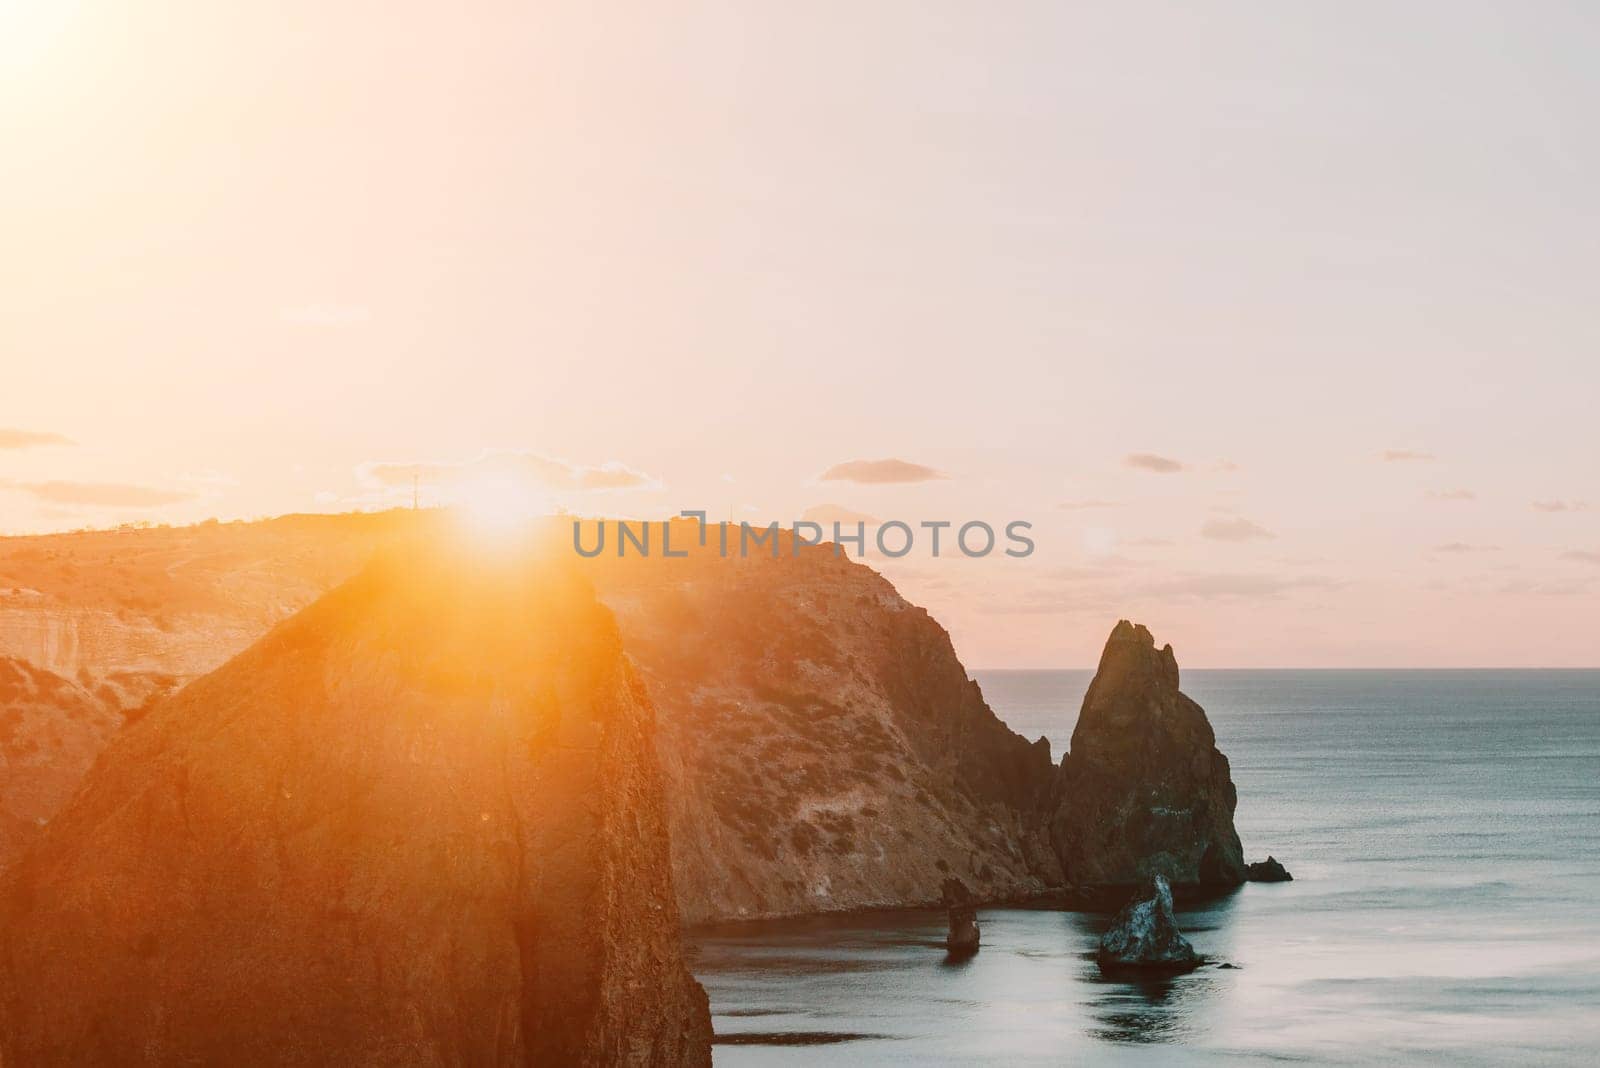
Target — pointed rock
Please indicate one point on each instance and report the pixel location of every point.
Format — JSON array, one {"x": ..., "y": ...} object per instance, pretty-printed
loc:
[
  {"x": 1145, "y": 933},
  {"x": 1143, "y": 789},
  {"x": 418, "y": 822}
]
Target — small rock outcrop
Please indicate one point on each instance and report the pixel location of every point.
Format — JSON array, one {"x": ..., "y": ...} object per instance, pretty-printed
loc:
[
  {"x": 1143, "y": 790},
  {"x": 1268, "y": 871},
  {"x": 964, "y": 936},
  {"x": 1145, "y": 934},
  {"x": 420, "y": 822}
]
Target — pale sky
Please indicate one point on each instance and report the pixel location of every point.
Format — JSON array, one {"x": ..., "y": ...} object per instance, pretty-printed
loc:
[{"x": 1336, "y": 263}]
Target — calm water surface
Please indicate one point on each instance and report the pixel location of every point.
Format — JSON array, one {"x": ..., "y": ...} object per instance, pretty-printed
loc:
[{"x": 1443, "y": 829}]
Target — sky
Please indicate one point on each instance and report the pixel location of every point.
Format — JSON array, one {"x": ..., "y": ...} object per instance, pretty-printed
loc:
[{"x": 1275, "y": 322}]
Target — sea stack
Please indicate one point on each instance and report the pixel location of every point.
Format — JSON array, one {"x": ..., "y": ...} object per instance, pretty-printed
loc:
[
  {"x": 963, "y": 937},
  {"x": 1143, "y": 790},
  {"x": 1145, "y": 934},
  {"x": 420, "y": 822}
]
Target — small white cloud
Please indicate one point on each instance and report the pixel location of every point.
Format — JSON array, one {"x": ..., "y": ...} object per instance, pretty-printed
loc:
[
  {"x": 881, "y": 472},
  {"x": 543, "y": 472},
  {"x": 100, "y": 494},
  {"x": 1149, "y": 461},
  {"x": 27, "y": 439},
  {"x": 1240, "y": 529}
]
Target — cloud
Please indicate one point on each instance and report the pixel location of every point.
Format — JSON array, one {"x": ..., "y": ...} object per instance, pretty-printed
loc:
[
  {"x": 101, "y": 494},
  {"x": 875, "y": 472},
  {"x": 1546, "y": 589},
  {"x": 1149, "y": 461},
  {"x": 27, "y": 439},
  {"x": 1234, "y": 530},
  {"x": 829, "y": 514},
  {"x": 522, "y": 468},
  {"x": 1452, "y": 495},
  {"x": 1560, "y": 506},
  {"x": 1084, "y": 506},
  {"x": 1463, "y": 547},
  {"x": 1223, "y": 586},
  {"x": 1400, "y": 456},
  {"x": 1583, "y": 556}
]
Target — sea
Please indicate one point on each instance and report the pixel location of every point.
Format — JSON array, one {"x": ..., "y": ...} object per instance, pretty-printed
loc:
[{"x": 1443, "y": 830}]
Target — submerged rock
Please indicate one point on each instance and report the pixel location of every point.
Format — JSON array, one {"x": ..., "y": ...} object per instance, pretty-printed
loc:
[
  {"x": 1143, "y": 790},
  {"x": 420, "y": 822},
  {"x": 963, "y": 936},
  {"x": 1268, "y": 871},
  {"x": 1145, "y": 933}
]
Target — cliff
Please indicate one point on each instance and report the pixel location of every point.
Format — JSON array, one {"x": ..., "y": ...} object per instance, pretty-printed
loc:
[
  {"x": 1143, "y": 790},
  {"x": 822, "y": 745},
  {"x": 129, "y": 613},
  {"x": 419, "y": 822},
  {"x": 51, "y": 730}
]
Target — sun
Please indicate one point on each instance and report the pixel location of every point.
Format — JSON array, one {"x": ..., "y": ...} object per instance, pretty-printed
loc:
[{"x": 499, "y": 507}]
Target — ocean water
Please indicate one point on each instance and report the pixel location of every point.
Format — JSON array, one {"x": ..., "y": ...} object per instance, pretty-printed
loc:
[{"x": 1443, "y": 829}]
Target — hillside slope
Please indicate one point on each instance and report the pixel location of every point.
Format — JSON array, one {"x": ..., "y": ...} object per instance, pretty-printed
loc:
[{"x": 419, "y": 822}]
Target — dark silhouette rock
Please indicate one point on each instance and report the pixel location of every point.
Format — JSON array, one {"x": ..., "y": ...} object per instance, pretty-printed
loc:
[
  {"x": 1143, "y": 789},
  {"x": 1268, "y": 871},
  {"x": 1145, "y": 934},
  {"x": 420, "y": 822},
  {"x": 964, "y": 936}
]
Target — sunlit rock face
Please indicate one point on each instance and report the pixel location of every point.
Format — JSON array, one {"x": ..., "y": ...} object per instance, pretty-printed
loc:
[
  {"x": 51, "y": 730},
  {"x": 130, "y": 613},
  {"x": 823, "y": 747},
  {"x": 420, "y": 822},
  {"x": 1143, "y": 789}
]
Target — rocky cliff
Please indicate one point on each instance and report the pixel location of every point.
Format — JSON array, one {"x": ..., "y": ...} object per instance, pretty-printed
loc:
[
  {"x": 1143, "y": 790},
  {"x": 51, "y": 730},
  {"x": 419, "y": 822},
  {"x": 823, "y": 747},
  {"x": 128, "y": 613}
]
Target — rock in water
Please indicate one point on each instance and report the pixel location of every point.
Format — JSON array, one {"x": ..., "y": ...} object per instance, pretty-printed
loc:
[
  {"x": 1268, "y": 871},
  {"x": 420, "y": 822},
  {"x": 1145, "y": 933},
  {"x": 1143, "y": 789},
  {"x": 963, "y": 936}
]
